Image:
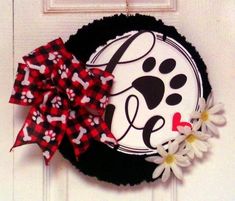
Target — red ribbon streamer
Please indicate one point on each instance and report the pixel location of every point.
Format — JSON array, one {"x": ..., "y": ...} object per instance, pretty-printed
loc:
[{"x": 66, "y": 99}]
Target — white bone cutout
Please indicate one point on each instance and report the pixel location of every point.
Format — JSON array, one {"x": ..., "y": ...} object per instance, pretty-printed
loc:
[
  {"x": 61, "y": 118},
  {"x": 76, "y": 78},
  {"x": 26, "y": 134},
  {"x": 45, "y": 98},
  {"x": 82, "y": 131},
  {"x": 104, "y": 139},
  {"x": 41, "y": 68},
  {"x": 105, "y": 79},
  {"x": 25, "y": 81}
]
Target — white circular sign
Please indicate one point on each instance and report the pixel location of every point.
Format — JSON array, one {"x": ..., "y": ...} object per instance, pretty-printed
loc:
[{"x": 156, "y": 87}]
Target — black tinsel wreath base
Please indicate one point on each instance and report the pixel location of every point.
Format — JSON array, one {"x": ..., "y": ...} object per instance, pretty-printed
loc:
[{"x": 101, "y": 161}]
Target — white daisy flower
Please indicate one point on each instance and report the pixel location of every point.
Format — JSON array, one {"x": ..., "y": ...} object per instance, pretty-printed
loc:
[
  {"x": 209, "y": 115},
  {"x": 169, "y": 162},
  {"x": 193, "y": 141}
]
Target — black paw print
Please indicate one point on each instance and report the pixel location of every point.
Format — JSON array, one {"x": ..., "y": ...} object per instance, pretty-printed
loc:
[{"x": 153, "y": 88}]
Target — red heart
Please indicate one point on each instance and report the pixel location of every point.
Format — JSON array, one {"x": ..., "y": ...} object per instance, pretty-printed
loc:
[{"x": 176, "y": 122}]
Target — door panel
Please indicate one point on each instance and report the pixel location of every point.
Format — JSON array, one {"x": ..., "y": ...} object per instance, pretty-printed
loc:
[
  {"x": 209, "y": 26},
  {"x": 6, "y": 110}
]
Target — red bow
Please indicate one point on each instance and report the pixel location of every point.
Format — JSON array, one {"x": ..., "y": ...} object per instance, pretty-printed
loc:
[{"x": 66, "y": 99}]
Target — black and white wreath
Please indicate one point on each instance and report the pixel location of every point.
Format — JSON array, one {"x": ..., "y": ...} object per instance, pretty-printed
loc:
[{"x": 160, "y": 111}]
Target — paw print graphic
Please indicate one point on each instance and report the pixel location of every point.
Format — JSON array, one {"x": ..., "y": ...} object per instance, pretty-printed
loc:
[
  {"x": 37, "y": 117},
  {"x": 90, "y": 73},
  {"x": 55, "y": 57},
  {"x": 153, "y": 89},
  {"x": 70, "y": 93},
  {"x": 103, "y": 102},
  {"x": 93, "y": 120},
  {"x": 27, "y": 97},
  {"x": 56, "y": 102},
  {"x": 63, "y": 71},
  {"x": 176, "y": 82},
  {"x": 49, "y": 136}
]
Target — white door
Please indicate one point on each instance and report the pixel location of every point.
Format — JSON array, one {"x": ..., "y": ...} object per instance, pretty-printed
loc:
[{"x": 208, "y": 25}]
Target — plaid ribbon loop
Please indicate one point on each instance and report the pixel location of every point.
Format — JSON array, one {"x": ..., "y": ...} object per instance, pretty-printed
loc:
[{"x": 66, "y": 99}]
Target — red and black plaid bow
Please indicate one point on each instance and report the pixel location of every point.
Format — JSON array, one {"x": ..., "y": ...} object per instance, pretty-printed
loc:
[{"x": 66, "y": 99}]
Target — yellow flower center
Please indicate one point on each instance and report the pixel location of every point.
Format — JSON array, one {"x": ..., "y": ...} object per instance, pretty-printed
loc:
[
  {"x": 204, "y": 116},
  {"x": 169, "y": 159},
  {"x": 191, "y": 138}
]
